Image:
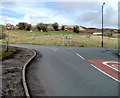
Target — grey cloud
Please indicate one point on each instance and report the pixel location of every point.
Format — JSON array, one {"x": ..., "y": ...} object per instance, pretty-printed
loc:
[
  {"x": 8, "y": 4},
  {"x": 88, "y": 16},
  {"x": 94, "y": 18},
  {"x": 111, "y": 17},
  {"x": 66, "y": 6}
]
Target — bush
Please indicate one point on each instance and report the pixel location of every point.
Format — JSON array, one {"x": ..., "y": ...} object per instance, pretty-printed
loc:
[
  {"x": 28, "y": 27},
  {"x": 21, "y": 25},
  {"x": 55, "y": 26},
  {"x": 24, "y": 26},
  {"x": 63, "y": 28},
  {"x": 109, "y": 34},
  {"x": 76, "y": 29},
  {"x": 42, "y": 27}
]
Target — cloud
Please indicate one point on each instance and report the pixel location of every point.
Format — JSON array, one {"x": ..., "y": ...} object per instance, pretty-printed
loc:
[
  {"x": 8, "y": 20},
  {"x": 71, "y": 13},
  {"x": 32, "y": 14},
  {"x": 69, "y": 6},
  {"x": 94, "y": 18}
]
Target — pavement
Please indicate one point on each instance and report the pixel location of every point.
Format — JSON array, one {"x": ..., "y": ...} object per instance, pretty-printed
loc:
[{"x": 72, "y": 71}]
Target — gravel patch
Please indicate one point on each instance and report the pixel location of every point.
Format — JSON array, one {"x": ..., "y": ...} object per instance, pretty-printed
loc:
[{"x": 12, "y": 73}]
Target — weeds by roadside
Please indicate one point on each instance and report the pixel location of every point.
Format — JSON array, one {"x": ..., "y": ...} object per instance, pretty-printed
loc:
[{"x": 4, "y": 54}]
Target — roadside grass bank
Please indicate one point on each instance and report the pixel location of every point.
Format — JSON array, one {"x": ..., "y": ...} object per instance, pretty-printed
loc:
[
  {"x": 58, "y": 38},
  {"x": 4, "y": 54}
]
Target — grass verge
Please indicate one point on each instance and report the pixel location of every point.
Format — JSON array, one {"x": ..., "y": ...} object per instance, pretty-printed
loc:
[{"x": 4, "y": 54}]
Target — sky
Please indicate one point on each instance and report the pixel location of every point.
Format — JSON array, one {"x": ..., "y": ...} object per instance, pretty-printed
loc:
[{"x": 83, "y": 13}]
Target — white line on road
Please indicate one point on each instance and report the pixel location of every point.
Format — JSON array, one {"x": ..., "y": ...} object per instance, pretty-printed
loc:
[
  {"x": 113, "y": 66},
  {"x": 80, "y": 56},
  {"x": 105, "y": 73}
]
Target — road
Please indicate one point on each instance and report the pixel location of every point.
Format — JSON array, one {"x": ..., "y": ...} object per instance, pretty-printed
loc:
[{"x": 66, "y": 71}]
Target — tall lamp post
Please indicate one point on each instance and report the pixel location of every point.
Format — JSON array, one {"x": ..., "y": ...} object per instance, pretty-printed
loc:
[{"x": 102, "y": 23}]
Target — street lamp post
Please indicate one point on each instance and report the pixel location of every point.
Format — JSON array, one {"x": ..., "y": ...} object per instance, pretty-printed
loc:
[{"x": 102, "y": 23}]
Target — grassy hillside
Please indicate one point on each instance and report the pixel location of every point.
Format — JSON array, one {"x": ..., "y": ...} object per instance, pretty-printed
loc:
[{"x": 58, "y": 38}]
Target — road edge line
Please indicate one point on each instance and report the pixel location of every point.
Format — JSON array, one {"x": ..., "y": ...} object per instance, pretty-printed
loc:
[
  {"x": 104, "y": 73},
  {"x": 24, "y": 75},
  {"x": 80, "y": 56}
]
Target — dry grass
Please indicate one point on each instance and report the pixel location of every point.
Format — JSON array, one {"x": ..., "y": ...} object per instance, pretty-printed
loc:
[
  {"x": 41, "y": 38},
  {"x": 4, "y": 54}
]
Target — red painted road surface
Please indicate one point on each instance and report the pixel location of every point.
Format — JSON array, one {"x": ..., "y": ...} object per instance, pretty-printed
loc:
[{"x": 108, "y": 67}]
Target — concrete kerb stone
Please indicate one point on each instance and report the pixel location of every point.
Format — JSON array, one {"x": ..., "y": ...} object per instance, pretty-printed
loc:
[{"x": 24, "y": 75}]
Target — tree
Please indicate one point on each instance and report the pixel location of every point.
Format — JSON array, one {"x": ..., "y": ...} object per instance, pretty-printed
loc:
[
  {"x": 76, "y": 29},
  {"x": 24, "y": 26},
  {"x": 55, "y": 26},
  {"x": 42, "y": 27},
  {"x": 21, "y": 25},
  {"x": 28, "y": 27},
  {"x": 63, "y": 28}
]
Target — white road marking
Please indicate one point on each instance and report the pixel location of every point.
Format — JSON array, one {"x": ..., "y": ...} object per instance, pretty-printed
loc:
[
  {"x": 105, "y": 73},
  {"x": 114, "y": 62},
  {"x": 80, "y": 56}
]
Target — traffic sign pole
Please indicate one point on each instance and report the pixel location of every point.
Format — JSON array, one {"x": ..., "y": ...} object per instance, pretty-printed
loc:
[
  {"x": 8, "y": 27},
  {"x": 8, "y": 40}
]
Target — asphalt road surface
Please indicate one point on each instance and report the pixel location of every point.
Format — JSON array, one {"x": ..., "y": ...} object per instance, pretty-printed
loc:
[{"x": 65, "y": 71}]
